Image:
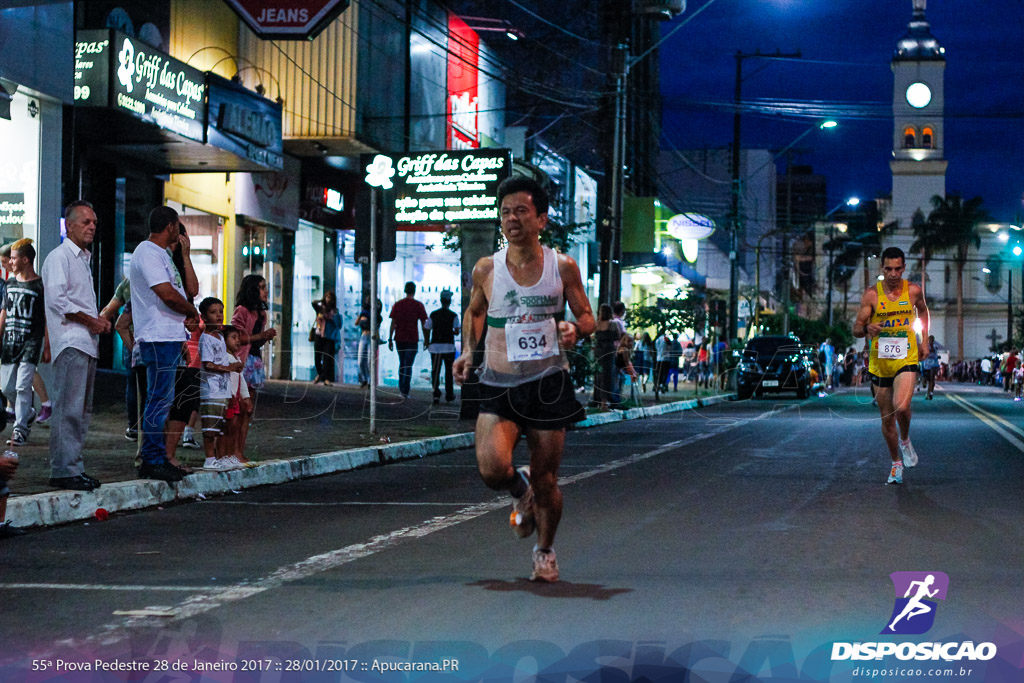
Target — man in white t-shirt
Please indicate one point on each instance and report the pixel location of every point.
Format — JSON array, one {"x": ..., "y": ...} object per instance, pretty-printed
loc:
[{"x": 161, "y": 312}]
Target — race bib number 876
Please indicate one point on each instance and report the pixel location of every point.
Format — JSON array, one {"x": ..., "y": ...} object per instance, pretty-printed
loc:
[
  {"x": 893, "y": 348},
  {"x": 531, "y": 341}
]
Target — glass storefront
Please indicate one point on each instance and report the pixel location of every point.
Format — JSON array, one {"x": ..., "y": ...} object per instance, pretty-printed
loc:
[
  {"x": 19, "y": 171},
  {"x": 309, "y": 286}
]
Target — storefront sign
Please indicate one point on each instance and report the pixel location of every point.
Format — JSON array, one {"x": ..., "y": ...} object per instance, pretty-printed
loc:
[
  {"x": 288, "y": 19},
  {"x": 12, "y": 211},
  {"x": 145, "y": 82},
  {"x": 447, "y": 186},
  {"x": 463, "y": 85},
  {"x": 271, "y": 197},
  {"x": 690, "y": 226},
  {"x": 92, "y": 68},
  {"x": 244, "y": 123}
]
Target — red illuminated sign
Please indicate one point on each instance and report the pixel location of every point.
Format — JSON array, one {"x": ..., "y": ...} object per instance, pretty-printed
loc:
[
  {"x": 463, "y": 84},
  {"x": 288, "y": 19}
]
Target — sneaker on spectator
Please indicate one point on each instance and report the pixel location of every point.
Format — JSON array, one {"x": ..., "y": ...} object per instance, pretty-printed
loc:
[
  {"x": 44, "y": 415},
  {"x": 131, "y": 434},
  {"x": 163, "y": 471},
  {"x": 190, "y": 442},
  {"x": 218, "y": 465},
  {"x": 18, "y": 438}
]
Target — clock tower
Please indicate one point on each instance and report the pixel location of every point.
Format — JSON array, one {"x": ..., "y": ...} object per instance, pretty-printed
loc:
[{"x": 918, "y": 139}]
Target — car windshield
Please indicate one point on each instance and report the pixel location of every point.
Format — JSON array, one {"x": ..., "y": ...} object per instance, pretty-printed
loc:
[{"x": 769, "y": 347}]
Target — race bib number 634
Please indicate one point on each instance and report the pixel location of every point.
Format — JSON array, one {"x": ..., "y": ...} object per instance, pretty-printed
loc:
[{"x": 531, "y": 341}]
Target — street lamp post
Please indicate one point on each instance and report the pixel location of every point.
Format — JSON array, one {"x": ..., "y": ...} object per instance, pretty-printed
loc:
[{"x": 852, "y": 201}]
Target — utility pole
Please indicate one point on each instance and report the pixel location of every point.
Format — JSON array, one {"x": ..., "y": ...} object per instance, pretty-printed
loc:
[
  {"x": 736, "y": 223},
  {"x": 612, "y": 274}
]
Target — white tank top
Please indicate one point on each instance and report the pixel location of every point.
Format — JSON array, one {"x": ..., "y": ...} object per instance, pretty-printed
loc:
[{"x": 522, "y": 326}]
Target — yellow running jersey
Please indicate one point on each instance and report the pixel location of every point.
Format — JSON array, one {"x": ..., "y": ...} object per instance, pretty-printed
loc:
[{"x": 896, "y": 345}]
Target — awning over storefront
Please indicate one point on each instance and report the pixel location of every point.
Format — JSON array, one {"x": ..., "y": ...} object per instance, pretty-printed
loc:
[
  {"x": 135, "y": 101},
  {"x": 660, "y": 260}
]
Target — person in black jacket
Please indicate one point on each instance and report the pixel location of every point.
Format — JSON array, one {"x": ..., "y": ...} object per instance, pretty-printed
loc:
[{"x": 441, "y": 329}]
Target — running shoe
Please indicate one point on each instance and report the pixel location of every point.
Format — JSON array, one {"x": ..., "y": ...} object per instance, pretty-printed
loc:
[
  {"x": 44, "y": 415},
  {"x": 896, "y": 474},
  {"x": 908, "y": 453},
  {"x": 522, "y": 520},
  {"x": 190, "y": 442},
  {"x": 545, "y": 566},
  {"x": 131, "y": 434}
]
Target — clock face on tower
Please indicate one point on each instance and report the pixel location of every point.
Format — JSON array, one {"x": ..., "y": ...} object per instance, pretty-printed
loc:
[{"x": 919, "y": 95}]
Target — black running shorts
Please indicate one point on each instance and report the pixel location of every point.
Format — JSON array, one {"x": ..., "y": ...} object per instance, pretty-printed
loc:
[
  {"x": 547, "y": 403},
  {"x": 186, "y": 394},
  {"x": 886, "y": 382}
]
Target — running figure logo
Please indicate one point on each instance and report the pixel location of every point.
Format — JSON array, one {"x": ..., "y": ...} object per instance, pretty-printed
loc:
[{"x": 914, "y": 612}]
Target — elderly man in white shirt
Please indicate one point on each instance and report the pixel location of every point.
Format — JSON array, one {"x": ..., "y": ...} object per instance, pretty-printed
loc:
[{"x": 74, "y": 324}]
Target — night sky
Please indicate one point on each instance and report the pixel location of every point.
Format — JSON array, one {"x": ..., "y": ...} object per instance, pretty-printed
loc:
[{"x": 845, "y": 72}]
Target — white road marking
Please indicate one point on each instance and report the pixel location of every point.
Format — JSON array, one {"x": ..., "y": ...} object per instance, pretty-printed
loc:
[
  {"x": 206, "y": 600},
  {"x": 331, "y": 504},
  {"x": 102, "y": 587},
  {"x": 997, "y": 423}
]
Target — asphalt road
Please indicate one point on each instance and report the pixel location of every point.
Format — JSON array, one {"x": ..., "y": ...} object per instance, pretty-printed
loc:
[{"x": 738, "y": 541}]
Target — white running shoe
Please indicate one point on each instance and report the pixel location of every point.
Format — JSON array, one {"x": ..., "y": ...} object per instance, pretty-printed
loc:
[
  {"x": 908, "y": 454},
  {"x": 522, "y": 519},
  {"x": 545, "y": 566},
  {"x": 896, "y": 474}
]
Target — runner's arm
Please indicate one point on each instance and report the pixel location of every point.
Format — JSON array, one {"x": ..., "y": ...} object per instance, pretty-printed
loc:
[
  {"x": 476, "y": 313},
  {"x": 579, "y": 304},
  {"x": 862, "y": 326}
]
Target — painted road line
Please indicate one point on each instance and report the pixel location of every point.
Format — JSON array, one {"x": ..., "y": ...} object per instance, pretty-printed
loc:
[
  {"x": 330, "y": 504},
  {"x": 207, "y": 600},
  {"x": 994, "y": 421},
  {"x": 102, "y": 587}
]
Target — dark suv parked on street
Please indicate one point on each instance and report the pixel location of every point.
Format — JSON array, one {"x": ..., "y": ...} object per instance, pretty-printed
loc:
[{"x": 776, "y": 363}]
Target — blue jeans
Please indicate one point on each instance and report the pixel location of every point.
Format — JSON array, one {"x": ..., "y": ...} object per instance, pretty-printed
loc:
[
  {"x": 364, "y": 359},
  {"x": 161, "y": 359},
  {"x": 406, "y": 357}
]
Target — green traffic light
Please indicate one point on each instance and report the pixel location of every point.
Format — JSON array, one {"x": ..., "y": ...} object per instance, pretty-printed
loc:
[{"x": 1017, "y": 251}]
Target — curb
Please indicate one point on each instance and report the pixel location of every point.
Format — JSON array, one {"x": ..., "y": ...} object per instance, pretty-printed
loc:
[{"x": 61, "y": 507}]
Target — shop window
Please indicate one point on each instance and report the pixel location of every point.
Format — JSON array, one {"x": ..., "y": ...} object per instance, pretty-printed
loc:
[
  {"x": 926, "y": 138},
  {"x": 909, "y": 137}
]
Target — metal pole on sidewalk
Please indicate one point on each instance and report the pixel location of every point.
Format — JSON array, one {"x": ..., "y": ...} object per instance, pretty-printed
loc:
[{"x": 374, "y": 327}]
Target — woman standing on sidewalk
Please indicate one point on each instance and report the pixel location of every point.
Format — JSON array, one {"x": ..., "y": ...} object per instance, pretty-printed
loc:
[
  {"x": 326, "y": 338},
  {"x": 250, "y": 317}
]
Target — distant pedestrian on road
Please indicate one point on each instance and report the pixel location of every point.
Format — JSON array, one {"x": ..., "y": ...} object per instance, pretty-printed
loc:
[
  {"x": 442, "y": 328},
  {"x": 404, "y": 336},
  {"x": 326, "y": 338},
  {"x": 74, "y": 323},
  {"x": 519, "y": 296},
  {"x": 930, "y": 366},
  {"x": 25, "y": 342},
  {"x": 886, "y": 316},
  {"x": 161, "y": 313}
]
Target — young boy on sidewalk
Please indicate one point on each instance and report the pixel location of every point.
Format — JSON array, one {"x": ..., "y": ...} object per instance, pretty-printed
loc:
[
  {"x": 23, "y": 330},
  {"x": 217, "y": 365}
]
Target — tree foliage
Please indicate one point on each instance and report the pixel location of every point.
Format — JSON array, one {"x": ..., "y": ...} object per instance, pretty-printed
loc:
[{"x": 684, "y": 311}]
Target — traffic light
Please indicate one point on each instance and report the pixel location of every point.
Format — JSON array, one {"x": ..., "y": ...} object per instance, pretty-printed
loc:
[{"x": 385, "y": 226}]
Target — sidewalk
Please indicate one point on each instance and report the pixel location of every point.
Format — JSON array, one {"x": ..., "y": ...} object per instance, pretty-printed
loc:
[{"x": 298, "y": 430}]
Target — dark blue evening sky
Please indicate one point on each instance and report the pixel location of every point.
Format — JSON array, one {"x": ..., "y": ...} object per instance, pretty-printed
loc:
[{"x": 847, "y": 48}]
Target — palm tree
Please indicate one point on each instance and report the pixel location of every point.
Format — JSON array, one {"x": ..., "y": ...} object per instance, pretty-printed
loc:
[
  {"x": 926, "y": 241},
  {"x": 956, "y": 230}
]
